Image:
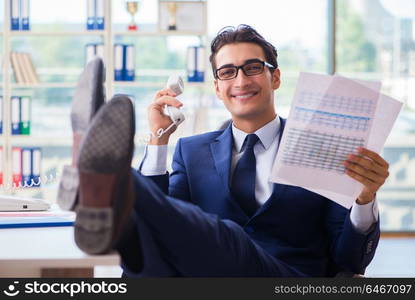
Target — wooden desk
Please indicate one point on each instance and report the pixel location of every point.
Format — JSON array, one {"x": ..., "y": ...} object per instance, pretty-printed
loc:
[{"x": 46, "y": 252}]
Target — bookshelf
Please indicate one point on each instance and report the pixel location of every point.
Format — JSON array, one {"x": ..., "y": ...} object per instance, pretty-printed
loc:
[{"x": 64, "y": 84}]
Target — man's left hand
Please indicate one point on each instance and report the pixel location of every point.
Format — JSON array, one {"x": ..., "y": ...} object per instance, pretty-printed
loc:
[{"x": 368, "y": 168}]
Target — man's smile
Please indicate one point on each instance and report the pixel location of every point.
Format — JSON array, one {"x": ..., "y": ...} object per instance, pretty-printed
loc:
[{"x": 244, "y": 95}]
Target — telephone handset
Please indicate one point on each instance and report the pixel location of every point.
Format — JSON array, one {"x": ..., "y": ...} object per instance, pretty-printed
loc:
[{"x": 175, "y": 83}]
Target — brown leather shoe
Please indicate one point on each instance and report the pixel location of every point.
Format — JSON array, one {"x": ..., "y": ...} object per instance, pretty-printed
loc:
[
  {"x": 106, "y": 190},
  {"x": 88, "y": 98}
]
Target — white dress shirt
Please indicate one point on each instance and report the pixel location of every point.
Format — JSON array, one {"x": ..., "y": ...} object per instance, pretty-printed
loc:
[{"x": 155, "y": 163}]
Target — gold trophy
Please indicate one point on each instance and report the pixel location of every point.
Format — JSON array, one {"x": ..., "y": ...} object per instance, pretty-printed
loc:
[
  {"x": 172, "y": 9},
  {"x": 132, "y": 8}
]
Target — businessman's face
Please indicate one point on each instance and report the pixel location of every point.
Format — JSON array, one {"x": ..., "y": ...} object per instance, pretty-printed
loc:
[{"x": 246, "y": 97}]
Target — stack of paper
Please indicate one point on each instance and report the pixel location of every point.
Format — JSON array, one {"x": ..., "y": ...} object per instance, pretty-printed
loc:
[{"x": 330, "y": 117}]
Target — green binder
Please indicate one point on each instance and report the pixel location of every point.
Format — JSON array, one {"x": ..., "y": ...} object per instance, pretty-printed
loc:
[{"x": 25, "y": 110}]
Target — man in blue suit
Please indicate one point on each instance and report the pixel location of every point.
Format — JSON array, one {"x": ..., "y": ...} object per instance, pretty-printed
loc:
[{"x": 217, "y": 214}]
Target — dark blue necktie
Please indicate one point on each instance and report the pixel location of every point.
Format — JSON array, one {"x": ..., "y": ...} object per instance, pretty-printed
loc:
[{"x": 243, "y": 180}]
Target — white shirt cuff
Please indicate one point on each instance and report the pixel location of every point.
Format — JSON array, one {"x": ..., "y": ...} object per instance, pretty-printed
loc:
[
  {"x": 363, "y": 216},
  {"x": 154, "y": 161}
]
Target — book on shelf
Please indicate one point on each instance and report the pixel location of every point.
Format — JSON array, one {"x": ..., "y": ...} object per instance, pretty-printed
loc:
[
  {"x": 18, "y": 74},
  {"x": 19, "y": 15},
  {"x": 23, "y": 68}
]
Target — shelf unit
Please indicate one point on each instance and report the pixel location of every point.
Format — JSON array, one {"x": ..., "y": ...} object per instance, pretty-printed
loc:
[{"x": 107, "y": 36}]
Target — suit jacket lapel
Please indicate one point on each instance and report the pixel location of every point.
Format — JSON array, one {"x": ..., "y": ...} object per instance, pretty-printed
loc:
[{"x": 222, "y": 155}]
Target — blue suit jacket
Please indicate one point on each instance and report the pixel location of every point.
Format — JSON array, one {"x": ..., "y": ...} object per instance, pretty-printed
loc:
[{"x": 306, "y": 230}]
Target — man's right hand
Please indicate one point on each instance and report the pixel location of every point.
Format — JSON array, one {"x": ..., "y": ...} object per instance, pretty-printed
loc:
[{"x": 156, "y": 117}]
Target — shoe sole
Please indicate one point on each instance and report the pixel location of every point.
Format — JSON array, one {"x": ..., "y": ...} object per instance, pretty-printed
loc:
[{"x": 106, "y": 188}]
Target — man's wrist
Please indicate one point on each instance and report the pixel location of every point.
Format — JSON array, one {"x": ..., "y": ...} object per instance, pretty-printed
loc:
[
  {"x": 362, "y": 200},
  {"x": 164, "y": 140}
]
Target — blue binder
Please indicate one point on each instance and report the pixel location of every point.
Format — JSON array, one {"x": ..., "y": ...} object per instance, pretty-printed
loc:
[
  {"x": 119, "y": 59},
  {"x": 99, "y": 15},
  {"x": 26, "y": 166},
  {"x": 16, "y": 115},
  {"x": 36, "y": 156},
  {"x": 199, "y": 75},
  {"x": 129, "y": 62},
  {"x": 90, "y": 11},
  {"x": 14, "y": 14},
  {"x": 25, "y": 15},
  {"x": 195, "y": 64}
]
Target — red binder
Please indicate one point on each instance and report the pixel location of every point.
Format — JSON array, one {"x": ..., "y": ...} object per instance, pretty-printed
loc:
[{"x": 17, "y": 166}]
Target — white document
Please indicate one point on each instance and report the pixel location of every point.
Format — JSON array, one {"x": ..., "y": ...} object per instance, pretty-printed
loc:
[{"x": 330, "y": 117}]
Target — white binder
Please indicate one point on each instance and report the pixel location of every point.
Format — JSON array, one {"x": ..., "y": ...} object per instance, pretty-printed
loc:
[
  {"x": 89, "y": 53},
  {"x": 99, "y": 50}
]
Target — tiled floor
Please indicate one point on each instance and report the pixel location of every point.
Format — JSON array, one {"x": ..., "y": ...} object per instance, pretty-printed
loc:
[{"x": 395, "y": 257}]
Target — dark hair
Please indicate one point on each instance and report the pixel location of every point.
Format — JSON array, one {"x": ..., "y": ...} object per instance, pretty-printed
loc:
[{"x": 241, "y": 34}]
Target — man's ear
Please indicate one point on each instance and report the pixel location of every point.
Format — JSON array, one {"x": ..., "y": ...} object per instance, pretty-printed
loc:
[{"x": 276, "y": 79}]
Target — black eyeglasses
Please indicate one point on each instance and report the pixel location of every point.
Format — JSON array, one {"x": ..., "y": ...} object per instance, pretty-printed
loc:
[{"x": 250, "y": 68}]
